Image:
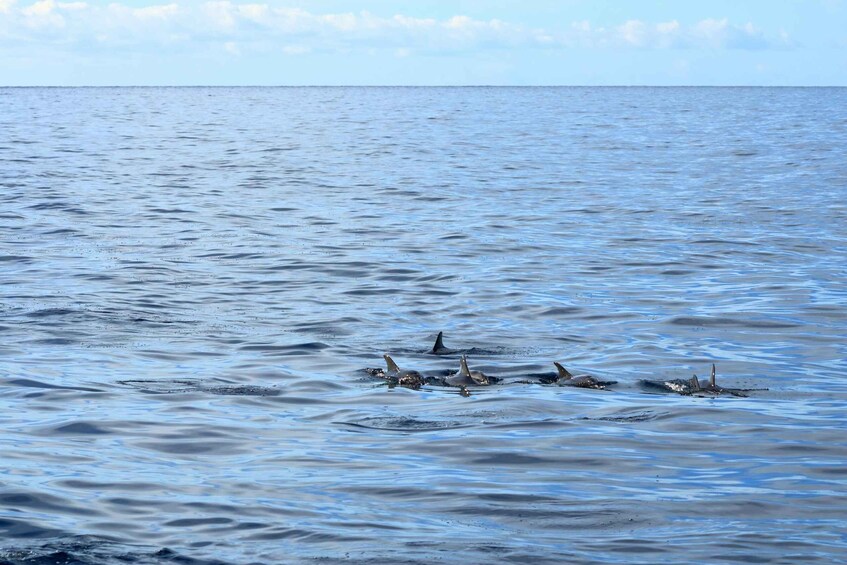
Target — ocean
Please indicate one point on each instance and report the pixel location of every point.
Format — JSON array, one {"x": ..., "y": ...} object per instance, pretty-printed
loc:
[{"x": 194, "y": 280}]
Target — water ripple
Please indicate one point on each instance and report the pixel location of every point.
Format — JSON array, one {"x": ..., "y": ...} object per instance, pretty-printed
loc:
[{"x": 193, "y": 280}]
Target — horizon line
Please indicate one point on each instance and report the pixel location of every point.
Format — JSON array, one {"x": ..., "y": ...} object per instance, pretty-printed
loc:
[{"x": 424, "y": 86}]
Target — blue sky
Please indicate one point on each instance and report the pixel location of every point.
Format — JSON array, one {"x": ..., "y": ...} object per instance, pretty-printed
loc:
[{"x": 428, "y": 42}]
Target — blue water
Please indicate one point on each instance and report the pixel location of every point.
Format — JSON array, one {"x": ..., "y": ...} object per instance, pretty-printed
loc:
[{"x": 193, "y": 280}]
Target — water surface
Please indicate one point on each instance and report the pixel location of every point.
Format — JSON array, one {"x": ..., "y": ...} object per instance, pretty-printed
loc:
[{"x": 192, "y": 280}]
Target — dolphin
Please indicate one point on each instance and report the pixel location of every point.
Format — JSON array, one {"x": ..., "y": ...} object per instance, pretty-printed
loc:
[
  {"x": 565, "y": 378},
  {"x": 713, "y": 387},
  {"x": 411, "y": 379},
  {"x": 693, "y": 386},
  {"x": 438, "y": 348},
  {"x": 465, "y": 377}
]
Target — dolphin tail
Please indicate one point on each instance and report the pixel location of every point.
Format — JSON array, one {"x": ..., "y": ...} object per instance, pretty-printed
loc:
[
  {"x": 564, "y": 374},
  {"x": 712, "y": 378},
  {"x": 392, "y": 366},
  {"x": 463, "y": 367},
  {"x": 439, "y": 342}
]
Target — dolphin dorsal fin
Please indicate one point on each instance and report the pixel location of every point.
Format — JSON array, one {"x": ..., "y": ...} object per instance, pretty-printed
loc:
[
  {"x": 694, "y": 383},
  {"x": 392, "y": 366},
  {"x": 439, "y": 343},
  {"x": 564, "y": 374},
  {"x": 712, "y": 378},
  {"x": 463, "y": 367}
]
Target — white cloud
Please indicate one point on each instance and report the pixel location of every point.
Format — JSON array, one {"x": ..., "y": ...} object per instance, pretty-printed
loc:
[
  {"x": 668, "y": 34},
  {"x": 296, "y": 31},
  {"x": 42, "y": 14},
  {"x": 411, "y": 23},
  {"x": 633, "y": 32},
  {"x": 156, "y": 12},
  {"x": 41, "y": 8},
  {"x": 667, "y": 28},
  {"x": 341, "y": 22},
  {"x": 254, "y": 12},
  {"x": 712, "y": 33},
  {"x": 708, "y": 33}
]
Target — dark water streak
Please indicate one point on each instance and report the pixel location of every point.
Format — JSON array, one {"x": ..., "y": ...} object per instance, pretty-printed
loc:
[{"x": 192, "y": 280}]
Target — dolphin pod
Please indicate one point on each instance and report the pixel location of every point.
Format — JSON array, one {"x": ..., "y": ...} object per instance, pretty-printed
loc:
[{"x": 466, "y": 378}]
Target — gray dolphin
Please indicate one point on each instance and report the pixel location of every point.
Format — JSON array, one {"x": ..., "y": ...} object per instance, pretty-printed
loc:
[
  {"x": 438, "y": 348},
  {"x": 466, "y": 377},
  {"x": 408, "y": 378},
  {"x": 565, "y": 378},
  {"x": 713, "y": 387},
  {"x": 693, "y": 386}
]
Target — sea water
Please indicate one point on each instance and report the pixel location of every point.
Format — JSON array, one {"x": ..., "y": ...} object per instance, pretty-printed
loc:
[{"x": 192, "y": 281}]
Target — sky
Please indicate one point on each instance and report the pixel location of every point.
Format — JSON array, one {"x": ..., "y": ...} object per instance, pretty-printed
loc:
[{"x": 426, "y": 42}]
